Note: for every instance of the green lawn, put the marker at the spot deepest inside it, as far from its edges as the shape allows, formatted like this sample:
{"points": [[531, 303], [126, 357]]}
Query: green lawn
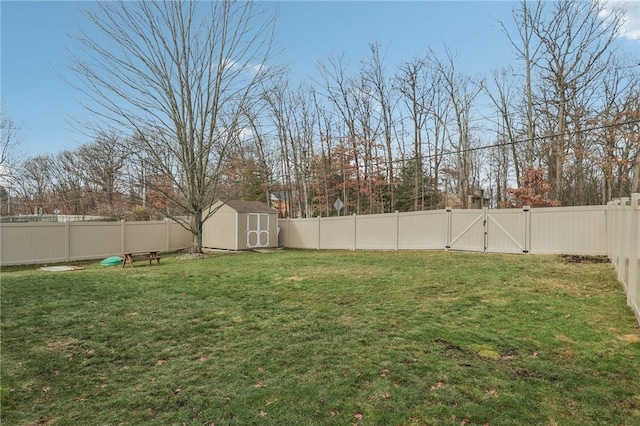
{"points": [[321, 337]]}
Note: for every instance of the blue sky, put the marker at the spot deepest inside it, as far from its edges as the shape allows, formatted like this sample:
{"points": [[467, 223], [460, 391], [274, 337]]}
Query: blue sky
{"points": [[35, 39]]}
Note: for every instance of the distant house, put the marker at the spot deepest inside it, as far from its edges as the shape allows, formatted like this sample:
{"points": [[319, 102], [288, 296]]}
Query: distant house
{"points": [[240, 225], [476, 200], [281, 201]]}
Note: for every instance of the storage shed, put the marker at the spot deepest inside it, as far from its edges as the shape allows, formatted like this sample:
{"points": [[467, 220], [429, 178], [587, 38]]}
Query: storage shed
{"points": [[240, 225]]}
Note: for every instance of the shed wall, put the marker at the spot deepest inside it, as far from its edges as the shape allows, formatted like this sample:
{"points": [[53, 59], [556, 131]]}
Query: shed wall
{"points": [[220, 231]]}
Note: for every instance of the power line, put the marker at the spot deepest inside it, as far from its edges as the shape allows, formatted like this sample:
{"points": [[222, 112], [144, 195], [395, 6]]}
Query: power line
{"points": [[556, 135], [495, 145]]}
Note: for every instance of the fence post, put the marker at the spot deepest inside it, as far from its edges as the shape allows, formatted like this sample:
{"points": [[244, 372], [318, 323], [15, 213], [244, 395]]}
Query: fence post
{"points": [[123, 233], [355, 233], [448, 246], [624, 248], [485, 224], [634, 253], [397, 229], [67, 241], [319, 233], [527, 229], [615, 230], [168, 239], [608, 225], [285, 238]]}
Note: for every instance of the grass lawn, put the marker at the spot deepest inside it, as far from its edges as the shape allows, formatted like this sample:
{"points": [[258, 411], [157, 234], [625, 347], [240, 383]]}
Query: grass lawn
{"points": [[320, 337]]}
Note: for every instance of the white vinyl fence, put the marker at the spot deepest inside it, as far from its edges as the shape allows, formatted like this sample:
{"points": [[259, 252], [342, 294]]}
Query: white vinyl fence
{"points": [[48, 242], [623, 248], [562, 230]]}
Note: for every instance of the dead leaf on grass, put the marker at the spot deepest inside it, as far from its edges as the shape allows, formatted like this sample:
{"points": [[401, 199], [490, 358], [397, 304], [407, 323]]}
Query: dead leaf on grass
{"points": [[509, 354], [564, 338], [491, 393], [563, 353], [261, 384], [295, 278], [161, 361], [437, 386], [262, 413]]}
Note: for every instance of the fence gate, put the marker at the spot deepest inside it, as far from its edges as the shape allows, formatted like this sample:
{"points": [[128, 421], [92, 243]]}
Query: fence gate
{"points": [[467, 230], [497, 231], [508, 231], [257, 230]]}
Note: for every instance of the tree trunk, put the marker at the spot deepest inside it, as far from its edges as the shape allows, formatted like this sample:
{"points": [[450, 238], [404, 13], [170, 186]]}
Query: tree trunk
{"points": [[196, 231]]}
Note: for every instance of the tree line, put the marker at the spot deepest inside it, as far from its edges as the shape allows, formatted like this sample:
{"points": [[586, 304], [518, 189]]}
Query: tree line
{"points": [[196, 110]]}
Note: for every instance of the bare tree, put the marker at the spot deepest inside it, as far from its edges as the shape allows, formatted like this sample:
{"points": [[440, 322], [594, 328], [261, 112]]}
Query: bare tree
{"points": [[374, 74], [462, 91], [70, 192], [618, 140], [575, 47], [342, 95], [502, 99], [264, 153], [528, 50], [280, 101], [9, 142], [367, 131], [184, 73], [33, 184], [100, 164], [327, 190], [300, 116], [411, 83], [421, 90]]}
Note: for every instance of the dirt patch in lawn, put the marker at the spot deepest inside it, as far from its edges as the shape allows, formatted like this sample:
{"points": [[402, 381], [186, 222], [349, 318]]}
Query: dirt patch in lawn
{"points": [[61, 344], [574, 258]]}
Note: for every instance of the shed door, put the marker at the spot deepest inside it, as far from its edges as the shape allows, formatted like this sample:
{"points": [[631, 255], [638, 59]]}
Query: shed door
{"points": [[257, 230]]}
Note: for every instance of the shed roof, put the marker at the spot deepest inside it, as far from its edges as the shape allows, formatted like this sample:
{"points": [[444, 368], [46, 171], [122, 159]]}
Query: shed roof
{"points": [[250, 206]]}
